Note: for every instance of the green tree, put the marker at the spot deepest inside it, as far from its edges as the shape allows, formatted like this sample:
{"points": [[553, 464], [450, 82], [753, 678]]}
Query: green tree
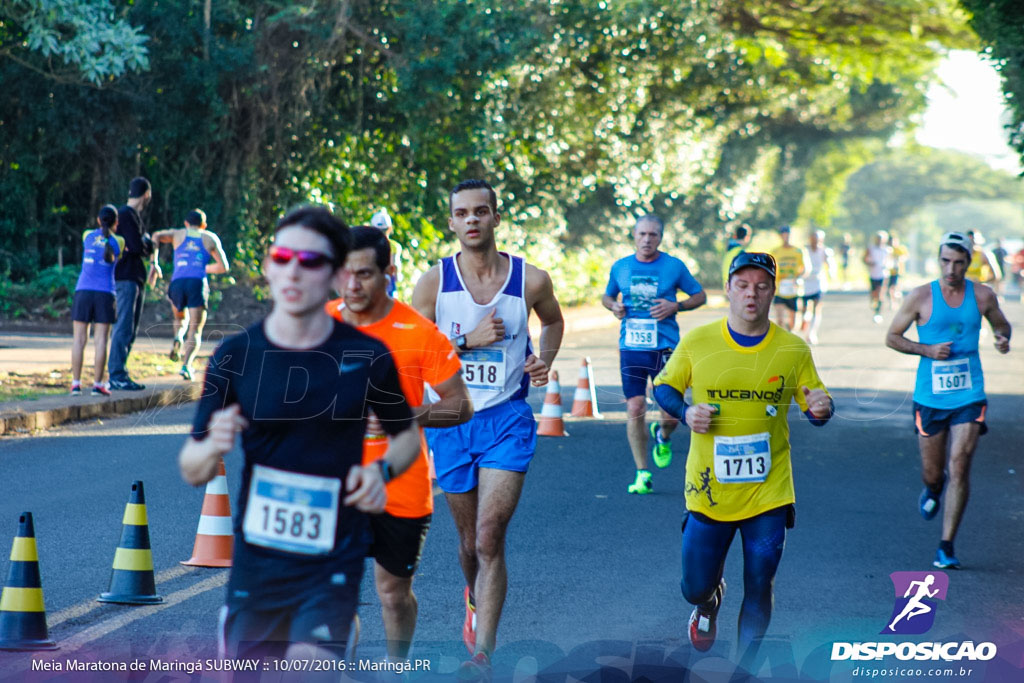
{"points": [[1000, 25], [69, 40]]}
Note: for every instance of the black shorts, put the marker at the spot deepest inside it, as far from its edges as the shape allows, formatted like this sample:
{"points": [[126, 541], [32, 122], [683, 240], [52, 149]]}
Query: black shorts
{"points": [[876, 284], [322, 619], [398, 542], [811, 297], [91, 306], [893, 279], [932, 421], [637, 365], [788, 303], [189, 292]]}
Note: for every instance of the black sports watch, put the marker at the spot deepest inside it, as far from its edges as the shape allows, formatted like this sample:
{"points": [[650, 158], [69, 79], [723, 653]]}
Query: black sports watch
{"points": [[387, 472], [462, 343]]}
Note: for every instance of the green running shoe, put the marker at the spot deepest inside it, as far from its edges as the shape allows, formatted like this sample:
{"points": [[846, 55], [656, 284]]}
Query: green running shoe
{"points": [[642, 483], [662, 448]]}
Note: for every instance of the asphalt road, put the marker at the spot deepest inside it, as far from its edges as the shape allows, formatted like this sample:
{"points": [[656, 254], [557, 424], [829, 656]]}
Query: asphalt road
{"points": [[594, 572]]}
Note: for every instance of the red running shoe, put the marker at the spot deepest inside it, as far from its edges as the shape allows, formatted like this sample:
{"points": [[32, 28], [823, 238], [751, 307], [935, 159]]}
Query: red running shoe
{"points": [[477, 668], [469, 626], [702, 622]]}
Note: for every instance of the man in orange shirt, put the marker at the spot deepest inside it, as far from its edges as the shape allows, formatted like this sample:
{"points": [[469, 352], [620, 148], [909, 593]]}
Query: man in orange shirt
{"points": [[421, 354]]}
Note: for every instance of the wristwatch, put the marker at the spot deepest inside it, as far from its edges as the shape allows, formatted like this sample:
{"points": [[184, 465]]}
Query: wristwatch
{"points": [[462, 343], [387, 473]]}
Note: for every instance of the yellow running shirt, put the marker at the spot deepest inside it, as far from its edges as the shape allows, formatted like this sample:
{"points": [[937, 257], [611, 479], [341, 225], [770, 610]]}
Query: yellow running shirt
{"points": [[791, 265], [741, 467]]}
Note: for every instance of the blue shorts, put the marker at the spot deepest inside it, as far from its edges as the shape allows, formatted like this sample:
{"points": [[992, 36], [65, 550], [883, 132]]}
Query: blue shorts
{"points": [[323, 619], [91, 306], [503, 437], [635, 367], [189, 292], [933, 421]]}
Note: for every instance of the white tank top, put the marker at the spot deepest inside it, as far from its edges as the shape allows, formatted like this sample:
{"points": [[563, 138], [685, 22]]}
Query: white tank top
{"points": [[815, 280], [494, 374]]}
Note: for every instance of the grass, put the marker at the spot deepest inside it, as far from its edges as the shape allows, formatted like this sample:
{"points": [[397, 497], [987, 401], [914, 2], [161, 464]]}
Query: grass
{"points": [[31, 386]]}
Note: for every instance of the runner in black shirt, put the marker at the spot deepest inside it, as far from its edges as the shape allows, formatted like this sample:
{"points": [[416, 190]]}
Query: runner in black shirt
{"points": [[298, 386]]}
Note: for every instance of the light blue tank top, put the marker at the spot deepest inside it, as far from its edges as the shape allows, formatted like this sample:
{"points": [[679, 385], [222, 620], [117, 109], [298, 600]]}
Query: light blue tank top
{"points": [[958, 380], [191, 257]]}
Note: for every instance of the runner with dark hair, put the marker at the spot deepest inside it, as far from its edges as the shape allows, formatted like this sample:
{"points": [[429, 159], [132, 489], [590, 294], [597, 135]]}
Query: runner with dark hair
{"points": [[299, 387]]}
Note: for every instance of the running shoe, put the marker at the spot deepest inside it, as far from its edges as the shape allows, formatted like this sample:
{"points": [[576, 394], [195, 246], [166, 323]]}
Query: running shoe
{"points": [[642, 484], [929, 502], [944, 560], [469, 626], [662, 447], [175, 354], [100, 390], [702, 622], [186, 373], [878, 318], [126, 385], [76, 390], [476, 668]]}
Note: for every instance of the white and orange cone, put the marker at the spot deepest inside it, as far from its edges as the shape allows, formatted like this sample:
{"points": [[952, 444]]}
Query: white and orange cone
{"points": [[550, 423], [584, 403], [215, 538]]}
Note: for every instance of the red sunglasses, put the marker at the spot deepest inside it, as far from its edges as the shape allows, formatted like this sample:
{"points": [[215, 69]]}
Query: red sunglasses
{"points": [[311, 260]]}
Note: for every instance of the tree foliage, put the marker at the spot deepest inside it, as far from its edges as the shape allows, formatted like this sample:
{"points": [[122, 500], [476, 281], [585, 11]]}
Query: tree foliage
{"points": [[70, 39], [882, 194], [1000, 25], [585, 114]]}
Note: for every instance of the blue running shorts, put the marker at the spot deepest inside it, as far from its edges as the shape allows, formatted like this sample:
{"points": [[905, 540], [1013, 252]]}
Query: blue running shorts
{"points": [[502, 437]]}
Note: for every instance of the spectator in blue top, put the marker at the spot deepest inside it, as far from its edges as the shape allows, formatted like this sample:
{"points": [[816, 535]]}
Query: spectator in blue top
{"points": [[648, 282], [94, 298]]}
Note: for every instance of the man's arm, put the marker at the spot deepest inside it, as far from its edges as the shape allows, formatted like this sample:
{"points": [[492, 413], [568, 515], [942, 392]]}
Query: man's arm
{"points": [[163, 236], [614, 305], [424, 295], [908, 314], [220, 264], [198, 459], [541, 292], [988, 305], [453, 407]]}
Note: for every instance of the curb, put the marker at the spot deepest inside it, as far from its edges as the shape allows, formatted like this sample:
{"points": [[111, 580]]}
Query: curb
{"points": [[34, 415]]}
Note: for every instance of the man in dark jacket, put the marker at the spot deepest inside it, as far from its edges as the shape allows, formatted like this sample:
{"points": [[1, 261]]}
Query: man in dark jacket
{"points": [[129, 283]]}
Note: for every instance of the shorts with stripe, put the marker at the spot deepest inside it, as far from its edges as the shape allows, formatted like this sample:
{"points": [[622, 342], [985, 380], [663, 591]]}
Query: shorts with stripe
{"points": [[933, 421]]}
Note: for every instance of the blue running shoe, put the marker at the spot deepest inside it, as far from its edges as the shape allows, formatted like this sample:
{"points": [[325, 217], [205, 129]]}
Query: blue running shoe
{"points": [[929, 502], [944, 560]]}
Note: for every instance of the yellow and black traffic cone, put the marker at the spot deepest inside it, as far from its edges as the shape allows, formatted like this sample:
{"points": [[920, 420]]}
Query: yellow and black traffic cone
{"points": [[132, 581], [22, 614]]}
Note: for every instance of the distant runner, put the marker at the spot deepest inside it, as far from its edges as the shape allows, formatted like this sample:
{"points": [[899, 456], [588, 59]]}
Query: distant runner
{"points": [[194, 249], [648, 282]]}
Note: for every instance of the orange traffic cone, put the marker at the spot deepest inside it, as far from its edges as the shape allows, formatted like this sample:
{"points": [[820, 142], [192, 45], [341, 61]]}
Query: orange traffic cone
{"points": [[215, 537], [132, 581], [550, 423], [22, 614]]}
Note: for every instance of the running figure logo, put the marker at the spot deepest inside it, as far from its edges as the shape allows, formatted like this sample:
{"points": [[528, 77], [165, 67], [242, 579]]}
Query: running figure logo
{"points": [[705, 486], [914, 612]]}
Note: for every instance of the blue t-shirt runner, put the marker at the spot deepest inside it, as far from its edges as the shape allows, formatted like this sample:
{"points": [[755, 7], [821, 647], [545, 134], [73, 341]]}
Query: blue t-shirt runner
{"points": [[648, 282], [640, 284]]}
